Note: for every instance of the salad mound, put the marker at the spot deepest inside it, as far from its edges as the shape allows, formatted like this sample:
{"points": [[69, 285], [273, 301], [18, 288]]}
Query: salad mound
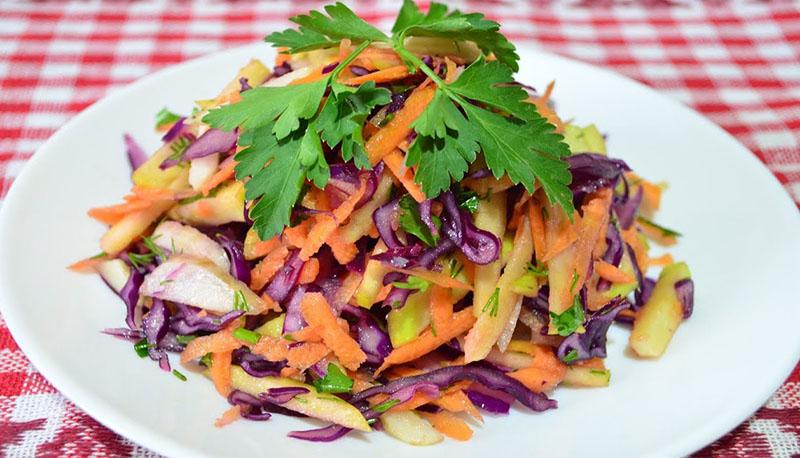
{"points": [[387, 229]]}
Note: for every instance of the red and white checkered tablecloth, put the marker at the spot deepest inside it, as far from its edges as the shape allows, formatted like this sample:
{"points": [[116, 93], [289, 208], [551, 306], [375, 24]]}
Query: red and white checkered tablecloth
{"points": [[738, 63]]}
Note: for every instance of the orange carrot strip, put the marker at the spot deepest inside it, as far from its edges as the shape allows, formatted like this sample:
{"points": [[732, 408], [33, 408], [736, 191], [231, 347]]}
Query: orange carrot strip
{"points": [[449, 425], [544, 374], [87, 265], [309, 271], [220, 371], [139, 192], [381, 76], [560, 232], [343, 252], [458, 401], [349, 287], [296, 236], [306, 355], [317, 312], [219, 342], [307, 334], [663, 260], [395, 161], [631, 237], [612, 273], [326, 223], [427, 341], [651, 196], [387, 139], [282, 55], [451, 70], [229, 416], [263, 248], [263, 272], [272, 348], [655, 234], [225, 173], [113, 213], [537, 227], [441, 307], [438, 278]]}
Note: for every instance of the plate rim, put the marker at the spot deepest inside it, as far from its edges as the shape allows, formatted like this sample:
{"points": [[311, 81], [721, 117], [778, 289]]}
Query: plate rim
{"points": [[166, 445]]}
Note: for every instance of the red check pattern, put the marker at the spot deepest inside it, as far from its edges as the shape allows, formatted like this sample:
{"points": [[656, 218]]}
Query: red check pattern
{"points": [[735, 62]]}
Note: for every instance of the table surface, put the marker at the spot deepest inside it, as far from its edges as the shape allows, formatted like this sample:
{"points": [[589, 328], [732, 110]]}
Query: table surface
{"points": [[735, 62]]}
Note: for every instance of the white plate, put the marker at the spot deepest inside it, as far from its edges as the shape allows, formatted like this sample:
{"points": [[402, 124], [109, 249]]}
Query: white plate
{"points": [[742, 242]]}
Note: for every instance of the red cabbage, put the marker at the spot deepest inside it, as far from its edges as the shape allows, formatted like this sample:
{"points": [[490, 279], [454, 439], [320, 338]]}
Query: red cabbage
{"points": [[251, 406], [385, 219], [211, 142], [136, 155], [359, 70], [427, 218], [244, 85], [187, 320], [487, 402], [592, 343], [130, 295], [397, 102], [372, 339], [326, 434], [239, 266], [400, 257], [446, 376], [255, 365], [130, 335], [329, 68], [480, 173], [592, 171], [286, 278], [282, 395], [685, 291], [175, 130], [625, 208], [155, 326], [479, 246], [282, 69], [293, 321], [613, 254]]}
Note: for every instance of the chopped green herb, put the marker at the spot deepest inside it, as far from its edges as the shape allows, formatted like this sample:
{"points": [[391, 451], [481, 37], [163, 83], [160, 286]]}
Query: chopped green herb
{"points": [[165, 117], [335, 381], [178, 147], [455, 268], [574, 281], [665, 231], [206, 360], [385, 405], [571, 356], [570, 320], [246, 335], [493, 304], [413, 283], [411, 221], [597, 372], [183, 340], [142, 348], [150, 243], [467, 200], [240, 302], [539, 269], [178, 375]]}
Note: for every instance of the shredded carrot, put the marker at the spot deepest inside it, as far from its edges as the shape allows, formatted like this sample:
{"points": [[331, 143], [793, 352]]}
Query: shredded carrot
{"points": [[349, 287], [458, 401], [344, 49], [325, 223], [307, 334], [452, 68], [398, 129], [263, 248], [593, 363], [282, 55], [418, 399], [113, 213], [269, 303], [651, 197], [296, 236], [438, 278], [306, 355], [204, 209], [309, 271], [655, 234], [544, 374], [290, 372], [441, 307], [537, 227], [87, 265], [219, 342], [224, 173], [381, 76], [449, 425], [631, 237], [317, 313], [343, 251], [519, 210], [229, 416], [272, 348], [560, 232], [612, 273], [427, 341], [263, 272], [663, 260], [395, 161], [220, 371], [593, 222], [151, 194]]}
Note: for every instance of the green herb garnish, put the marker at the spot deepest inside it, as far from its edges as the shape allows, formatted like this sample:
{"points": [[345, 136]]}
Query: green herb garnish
{"points": [[240, 302], [413, 283], [142, 348], [246, 335], [665, 231], [335, 381], [493, 304], [411, 221], [166, 117], [385, 405], [571, 356], [480, 112], [178, 375], [574, 282], [206, 360], [570, 320], [538, 270], [455, 267]]}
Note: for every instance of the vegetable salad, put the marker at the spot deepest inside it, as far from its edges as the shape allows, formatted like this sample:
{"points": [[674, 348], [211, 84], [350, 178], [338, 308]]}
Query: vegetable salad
{"points": [[386, 230]]}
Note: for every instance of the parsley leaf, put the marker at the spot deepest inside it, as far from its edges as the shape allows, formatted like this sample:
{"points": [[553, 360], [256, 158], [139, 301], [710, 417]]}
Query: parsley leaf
{"points": [[457, 26], [411, 221], [165, 117], [319, 31], [335, 381], [263, 105], [343, 116], [569, 320]]}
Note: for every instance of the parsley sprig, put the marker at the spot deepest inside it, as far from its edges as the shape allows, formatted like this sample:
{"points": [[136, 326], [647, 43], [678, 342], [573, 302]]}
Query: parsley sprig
{"points": [[480, 112]]}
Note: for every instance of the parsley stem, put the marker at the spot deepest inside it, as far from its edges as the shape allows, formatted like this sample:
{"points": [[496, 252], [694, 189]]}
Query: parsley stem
{"points": [[343, 64], [416, 61]]}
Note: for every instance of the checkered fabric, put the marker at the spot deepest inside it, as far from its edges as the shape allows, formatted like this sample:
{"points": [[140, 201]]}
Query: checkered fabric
{"points": [[735, 62]]}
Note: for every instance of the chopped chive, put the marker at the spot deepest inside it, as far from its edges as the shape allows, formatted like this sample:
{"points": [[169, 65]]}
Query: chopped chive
{"points": [[178, 375], [574, 281], [142, 348], [239, 301], [206, 360], [246, 335], [571, 356], [386, 405]]}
